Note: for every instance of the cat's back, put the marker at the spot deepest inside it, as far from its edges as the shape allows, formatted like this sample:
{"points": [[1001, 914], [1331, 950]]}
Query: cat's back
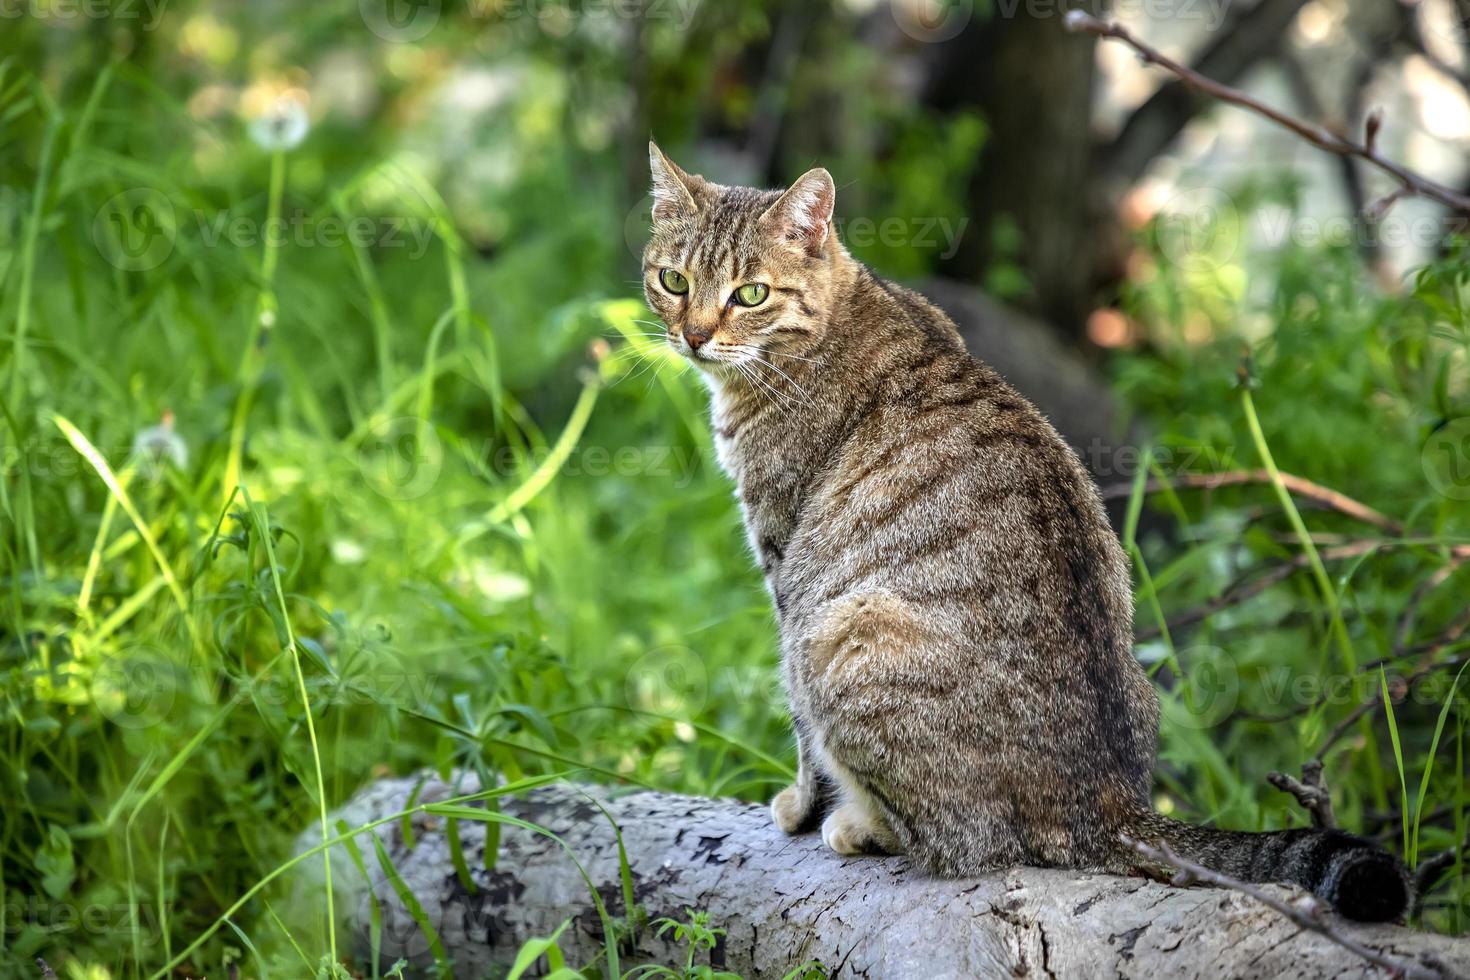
{"points": [[952, 488]]}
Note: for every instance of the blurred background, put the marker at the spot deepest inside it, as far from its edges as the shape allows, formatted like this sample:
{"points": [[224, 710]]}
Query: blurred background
{"points": [[338, 442]]}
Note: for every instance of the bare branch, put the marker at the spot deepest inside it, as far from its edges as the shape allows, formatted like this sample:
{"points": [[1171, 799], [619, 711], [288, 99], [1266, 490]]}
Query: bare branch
{"points": [[1249, 33], [1079, 22], [1243, 590], [1429, 872], [1310, 791], [1398, 687], [1306, 912], [1299, 487], [785, 900], [1421, 592]]}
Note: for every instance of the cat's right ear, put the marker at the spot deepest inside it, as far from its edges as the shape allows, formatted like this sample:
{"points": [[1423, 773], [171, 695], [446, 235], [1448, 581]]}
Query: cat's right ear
{"points": [[675, 193]]}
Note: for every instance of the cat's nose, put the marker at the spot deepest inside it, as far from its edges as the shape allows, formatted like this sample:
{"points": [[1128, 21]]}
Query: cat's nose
{"points": [[696, 338]]}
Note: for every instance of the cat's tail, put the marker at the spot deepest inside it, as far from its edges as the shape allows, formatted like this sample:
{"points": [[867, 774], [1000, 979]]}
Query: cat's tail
{"points": [[1360, 879]]}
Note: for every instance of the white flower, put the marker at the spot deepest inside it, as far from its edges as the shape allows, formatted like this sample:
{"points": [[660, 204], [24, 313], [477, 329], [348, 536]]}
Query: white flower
{"points": [[158, 445], [282, 127]]}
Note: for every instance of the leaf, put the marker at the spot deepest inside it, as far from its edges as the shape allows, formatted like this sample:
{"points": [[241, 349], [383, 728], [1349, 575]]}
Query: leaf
{"points": [[536, 947], [1398, 754], [1444, 712], [55, 862], [535, 720], [415, 908], [319, 655]]}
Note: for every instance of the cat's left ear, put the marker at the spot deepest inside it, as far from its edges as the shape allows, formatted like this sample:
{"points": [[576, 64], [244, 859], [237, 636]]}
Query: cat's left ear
{"points": [[803, 215], [676, 194]]}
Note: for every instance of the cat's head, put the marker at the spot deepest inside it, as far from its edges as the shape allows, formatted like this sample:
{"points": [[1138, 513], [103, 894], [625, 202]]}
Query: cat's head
{"points": [[736, 272]]}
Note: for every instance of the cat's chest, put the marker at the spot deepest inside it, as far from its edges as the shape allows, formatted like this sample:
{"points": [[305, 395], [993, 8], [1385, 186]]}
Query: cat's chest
{"points": [[752, 451]]}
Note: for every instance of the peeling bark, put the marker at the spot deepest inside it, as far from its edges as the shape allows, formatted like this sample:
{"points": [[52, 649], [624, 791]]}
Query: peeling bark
{"points": [[785, 901]]}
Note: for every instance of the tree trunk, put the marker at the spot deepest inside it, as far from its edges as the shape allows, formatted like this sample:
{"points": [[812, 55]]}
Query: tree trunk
{"points": [[1032, 83], [784, 901]]}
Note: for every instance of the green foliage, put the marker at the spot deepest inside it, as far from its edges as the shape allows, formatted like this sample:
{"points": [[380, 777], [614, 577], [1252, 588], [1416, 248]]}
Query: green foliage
{"points": [[1363, 393], [280, 514]]}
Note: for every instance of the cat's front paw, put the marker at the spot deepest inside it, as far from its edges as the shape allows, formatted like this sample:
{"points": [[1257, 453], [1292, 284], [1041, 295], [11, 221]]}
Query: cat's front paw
{"points": [[846, 831], [790, 810]]}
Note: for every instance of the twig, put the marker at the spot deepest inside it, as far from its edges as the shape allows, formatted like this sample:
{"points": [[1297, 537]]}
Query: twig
{"points": [[1398, 689], [1306, 912], [1387, 823], [1242, 591], [1249, 34], [1421, 592], [1429, 872], [1299, 487], [1079, 22], [1310, 791]]}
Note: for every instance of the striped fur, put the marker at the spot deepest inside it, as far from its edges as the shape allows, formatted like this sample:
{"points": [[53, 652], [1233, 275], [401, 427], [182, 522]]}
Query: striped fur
{"points": [[955, 611]]}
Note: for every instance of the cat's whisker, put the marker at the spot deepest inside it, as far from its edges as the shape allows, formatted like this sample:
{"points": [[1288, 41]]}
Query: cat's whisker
{"points": [[785, 400], [756, 385], [797, 357], [645, 366], [652, 376], [764, 363], [753, 355]]}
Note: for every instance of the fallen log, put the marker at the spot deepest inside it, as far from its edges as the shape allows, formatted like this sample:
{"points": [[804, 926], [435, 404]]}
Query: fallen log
{"points": [[786, 901]]}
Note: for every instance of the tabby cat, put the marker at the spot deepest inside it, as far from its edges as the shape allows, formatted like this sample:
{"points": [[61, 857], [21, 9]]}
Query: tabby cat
{"points": [[955, 611]]}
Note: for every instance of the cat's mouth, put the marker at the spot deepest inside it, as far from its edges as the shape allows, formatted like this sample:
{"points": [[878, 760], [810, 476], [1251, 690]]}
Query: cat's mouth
{"points": [[706, 352]]}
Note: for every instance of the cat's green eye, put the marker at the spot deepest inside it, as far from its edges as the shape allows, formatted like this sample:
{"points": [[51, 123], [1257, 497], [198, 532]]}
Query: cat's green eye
{"points": [[674, 281], [752, 294]]}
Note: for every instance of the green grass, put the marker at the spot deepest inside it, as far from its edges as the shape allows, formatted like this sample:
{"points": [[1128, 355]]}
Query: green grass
{"points": [[458, 510]]}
